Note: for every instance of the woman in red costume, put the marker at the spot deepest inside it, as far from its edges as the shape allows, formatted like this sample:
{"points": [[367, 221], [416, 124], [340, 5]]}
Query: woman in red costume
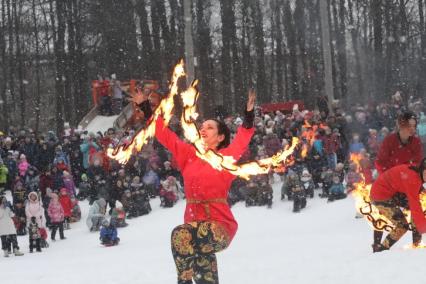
{"points": [[400, 147], [209, 225], [400, 182]]}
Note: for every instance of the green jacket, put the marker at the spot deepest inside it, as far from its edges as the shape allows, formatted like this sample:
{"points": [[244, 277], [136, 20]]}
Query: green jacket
{"points": [[3, 174]]}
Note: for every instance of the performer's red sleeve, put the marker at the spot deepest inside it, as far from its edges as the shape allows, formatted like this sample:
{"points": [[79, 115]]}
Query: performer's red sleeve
{"points": [[240, 143], [179, 149], [415, 207], [382, 161]]}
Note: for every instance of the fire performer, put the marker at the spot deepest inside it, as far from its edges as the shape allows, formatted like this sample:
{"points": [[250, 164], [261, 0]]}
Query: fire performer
{"points": [[402, 181], [398, 148], [209, 225]]}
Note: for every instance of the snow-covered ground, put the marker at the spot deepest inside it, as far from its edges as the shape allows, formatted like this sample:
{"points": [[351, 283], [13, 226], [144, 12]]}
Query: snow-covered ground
{"points": [[323, 244], [101, 123]]}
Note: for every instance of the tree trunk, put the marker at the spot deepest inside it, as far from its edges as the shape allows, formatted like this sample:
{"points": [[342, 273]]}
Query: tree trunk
{"points": [[5, 120], [279, 56], [36, 95], [227, 94], [354, 38], [204, 46], [259, 42], [19, 59], [291, 42], [59, 50], [377, 15]]}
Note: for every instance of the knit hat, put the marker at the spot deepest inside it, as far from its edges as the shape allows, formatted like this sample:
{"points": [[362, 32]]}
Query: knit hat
{"points": [[101, 202]]}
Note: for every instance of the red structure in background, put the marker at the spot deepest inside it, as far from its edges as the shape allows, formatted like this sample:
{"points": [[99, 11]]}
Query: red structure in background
{"points": [[282, 106]]}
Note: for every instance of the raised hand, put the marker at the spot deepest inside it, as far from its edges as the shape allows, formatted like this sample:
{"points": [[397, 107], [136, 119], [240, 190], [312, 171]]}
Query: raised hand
{"points": [[251, 100]]}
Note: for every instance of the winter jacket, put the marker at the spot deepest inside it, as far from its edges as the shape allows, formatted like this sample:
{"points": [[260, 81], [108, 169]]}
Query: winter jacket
{"points": [[23, 167], [55, 210], [206, 186], [337, 188], [3, 174], [109, 232], [35, 209], [88, 148], [401, 179], [69, 185], [96, 210], [392, 152], [7, 226], [66, 204]]}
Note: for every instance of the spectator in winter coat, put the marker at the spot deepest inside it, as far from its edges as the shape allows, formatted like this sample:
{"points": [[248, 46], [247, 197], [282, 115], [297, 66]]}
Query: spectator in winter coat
{"points": [[96, 215], [66, 204], [87, 148], [61, 157], [56, 214], [3, 176], [356, 145], [69, 183], [23, 165], [34, 208], [7, 229], [337, 190]]}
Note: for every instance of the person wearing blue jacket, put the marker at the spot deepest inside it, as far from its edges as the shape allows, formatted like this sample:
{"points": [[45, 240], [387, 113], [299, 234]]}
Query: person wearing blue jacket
{"points": [[108, 235]]}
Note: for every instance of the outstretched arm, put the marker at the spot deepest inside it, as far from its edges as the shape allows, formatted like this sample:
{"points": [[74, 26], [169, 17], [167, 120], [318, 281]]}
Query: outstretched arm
{"points": [[244, 133], [180, 150]]}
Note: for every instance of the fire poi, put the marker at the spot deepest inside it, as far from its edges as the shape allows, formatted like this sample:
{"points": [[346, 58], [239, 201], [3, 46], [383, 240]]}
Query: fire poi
{"points": [[189, 97], [364, 205]]}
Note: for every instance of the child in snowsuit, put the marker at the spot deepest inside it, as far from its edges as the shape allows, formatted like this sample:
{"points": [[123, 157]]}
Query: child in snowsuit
{"points": [[307, 183], [66, 204], [56, 214], [118, 215], [169, 192], [108, 234], [34, 235], [20, 219], [337, 191], [299, 197], [76, 211]]}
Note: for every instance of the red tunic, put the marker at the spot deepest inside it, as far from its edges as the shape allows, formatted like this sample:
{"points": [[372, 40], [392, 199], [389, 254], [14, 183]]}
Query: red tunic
{"points": [[404, 180], [202, 182], [392, 152]]}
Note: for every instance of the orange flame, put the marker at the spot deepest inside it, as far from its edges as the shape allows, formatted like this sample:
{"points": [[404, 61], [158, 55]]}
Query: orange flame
{"points": [[216, 160], [123, 153], [369, 211]]}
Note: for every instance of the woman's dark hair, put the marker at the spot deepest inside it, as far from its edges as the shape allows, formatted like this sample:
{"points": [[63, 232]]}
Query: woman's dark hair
{"points": [[222, 128], [404, 117]]}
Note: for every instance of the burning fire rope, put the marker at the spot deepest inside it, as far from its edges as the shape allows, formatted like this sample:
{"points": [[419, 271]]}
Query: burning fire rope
{"points": [[189, 97], [364, 206]]}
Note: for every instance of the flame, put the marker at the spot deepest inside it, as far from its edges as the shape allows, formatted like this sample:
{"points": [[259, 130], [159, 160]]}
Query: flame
{"points": [[379, 222], [189, 98], [216, 160], [123, 153]]}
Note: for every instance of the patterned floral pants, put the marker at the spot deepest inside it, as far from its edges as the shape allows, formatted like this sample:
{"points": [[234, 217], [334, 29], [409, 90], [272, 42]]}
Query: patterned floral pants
{"points": [[194, 246], [394, 213]]}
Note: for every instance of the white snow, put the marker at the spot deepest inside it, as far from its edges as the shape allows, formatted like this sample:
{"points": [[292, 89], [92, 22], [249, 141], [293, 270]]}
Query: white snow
{"points": [[322, 244], [101, 123]]}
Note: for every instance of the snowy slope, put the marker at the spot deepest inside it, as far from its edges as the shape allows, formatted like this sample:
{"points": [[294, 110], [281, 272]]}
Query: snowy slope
{"points": [[323, 244], [101, 123]]}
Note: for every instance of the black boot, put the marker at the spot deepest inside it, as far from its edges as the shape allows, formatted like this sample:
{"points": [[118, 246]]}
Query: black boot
{"points": [[378, 247]]}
